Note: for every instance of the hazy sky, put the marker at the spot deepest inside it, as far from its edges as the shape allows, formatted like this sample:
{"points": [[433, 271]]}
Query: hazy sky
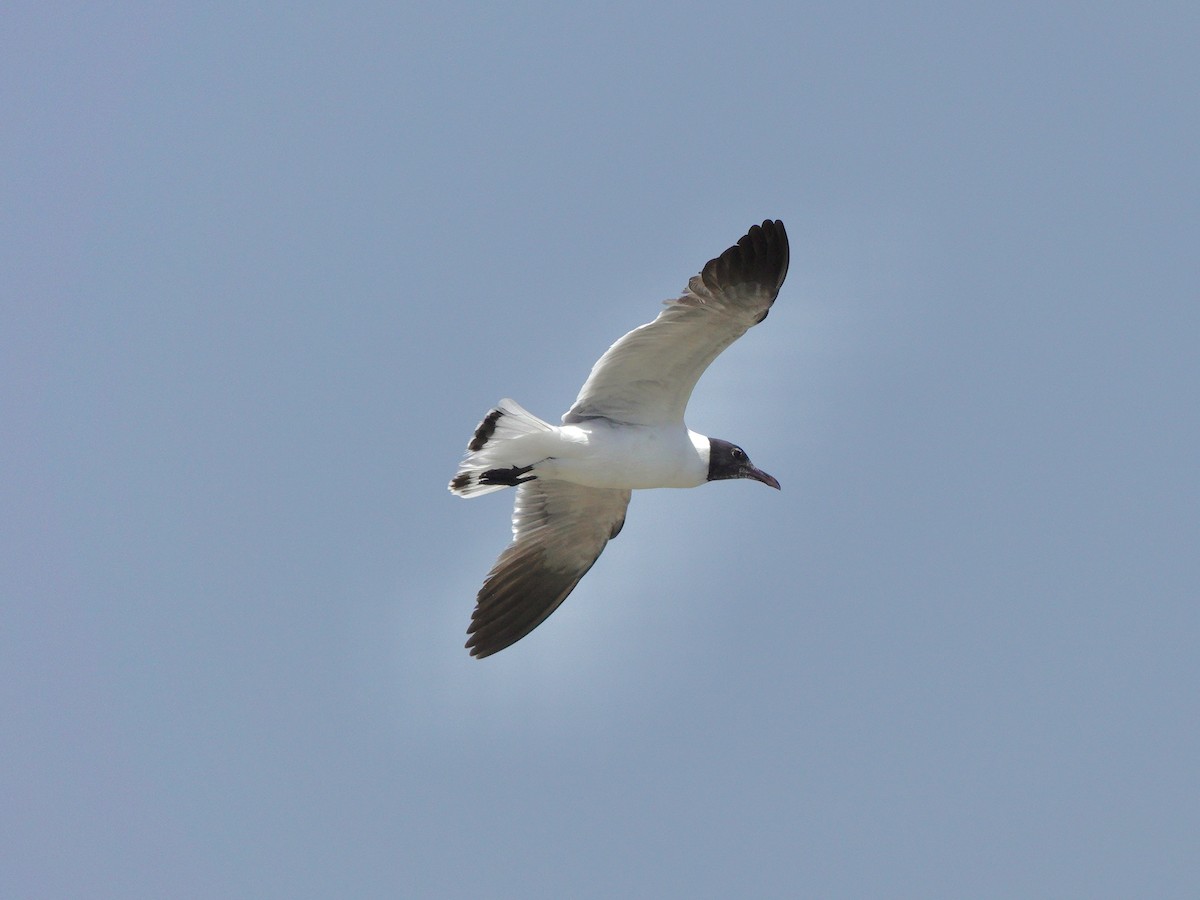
{"points": [[264, 269]]}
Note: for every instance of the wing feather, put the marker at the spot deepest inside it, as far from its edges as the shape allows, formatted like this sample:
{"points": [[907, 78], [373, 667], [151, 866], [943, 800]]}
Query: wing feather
{"points": [[647, 377], [559, 531]]}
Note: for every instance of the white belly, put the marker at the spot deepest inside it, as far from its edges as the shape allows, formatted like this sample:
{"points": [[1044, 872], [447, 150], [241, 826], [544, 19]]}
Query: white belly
{"points": [[627, 456]]}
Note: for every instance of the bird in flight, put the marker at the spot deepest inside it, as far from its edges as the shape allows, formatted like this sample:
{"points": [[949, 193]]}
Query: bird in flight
{"points": [[624, 432]]}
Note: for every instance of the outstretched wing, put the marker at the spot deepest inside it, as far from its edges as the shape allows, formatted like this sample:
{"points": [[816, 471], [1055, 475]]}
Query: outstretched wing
{"points": [[559, 530], [647, 376]]}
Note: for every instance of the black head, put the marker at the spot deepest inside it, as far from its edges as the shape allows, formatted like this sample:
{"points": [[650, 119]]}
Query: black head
{"points": [[726, 460]]}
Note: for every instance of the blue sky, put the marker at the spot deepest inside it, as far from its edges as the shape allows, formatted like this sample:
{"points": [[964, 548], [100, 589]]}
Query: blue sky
{"points": [[264, 270]]}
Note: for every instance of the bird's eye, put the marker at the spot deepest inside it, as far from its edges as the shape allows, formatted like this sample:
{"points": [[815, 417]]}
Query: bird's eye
{"points": [[738, 453]]}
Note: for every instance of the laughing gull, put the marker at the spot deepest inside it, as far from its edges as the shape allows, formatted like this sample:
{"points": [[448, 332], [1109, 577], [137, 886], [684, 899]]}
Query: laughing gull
{"points": [[624, 432]]}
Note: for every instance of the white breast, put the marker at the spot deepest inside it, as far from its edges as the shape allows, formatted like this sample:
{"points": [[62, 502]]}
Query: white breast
{"points": [[600, 454]]}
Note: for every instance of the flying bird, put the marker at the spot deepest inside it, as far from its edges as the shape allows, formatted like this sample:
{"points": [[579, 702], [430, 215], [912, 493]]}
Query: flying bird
{"points": [[625, 432]]}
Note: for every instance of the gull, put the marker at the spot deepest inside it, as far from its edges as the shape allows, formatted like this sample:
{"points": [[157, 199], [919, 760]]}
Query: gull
{"points": [[625, 432]]}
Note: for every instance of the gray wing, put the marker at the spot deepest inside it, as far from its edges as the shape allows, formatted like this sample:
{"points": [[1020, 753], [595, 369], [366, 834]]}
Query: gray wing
{"points": [[647, 376], [559, 530]]}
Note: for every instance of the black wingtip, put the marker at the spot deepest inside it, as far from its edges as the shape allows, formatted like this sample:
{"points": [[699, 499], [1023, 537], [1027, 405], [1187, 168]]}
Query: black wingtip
{"points": [[479, 652], [760, 257]]}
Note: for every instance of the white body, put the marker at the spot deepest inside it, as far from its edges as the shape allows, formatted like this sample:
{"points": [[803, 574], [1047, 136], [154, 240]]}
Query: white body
{"points": [[601, 454], [593, 453]]}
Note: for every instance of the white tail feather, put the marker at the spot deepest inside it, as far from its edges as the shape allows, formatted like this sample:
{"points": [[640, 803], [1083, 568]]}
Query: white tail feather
{"points": [[492, 447]]}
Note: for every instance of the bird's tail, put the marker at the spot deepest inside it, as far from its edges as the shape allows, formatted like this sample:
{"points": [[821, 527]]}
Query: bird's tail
{"points": [[491, 463]]}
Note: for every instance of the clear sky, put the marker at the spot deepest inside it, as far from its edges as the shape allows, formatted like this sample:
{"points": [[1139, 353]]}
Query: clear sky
{"points": [[265, 267]]}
